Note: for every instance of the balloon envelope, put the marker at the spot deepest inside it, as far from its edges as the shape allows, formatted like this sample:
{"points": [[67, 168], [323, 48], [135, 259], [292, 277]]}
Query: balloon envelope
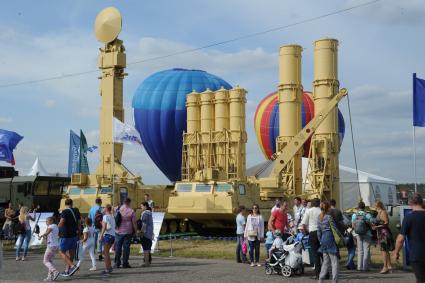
{"points": [[266, 122], [160, 113]]}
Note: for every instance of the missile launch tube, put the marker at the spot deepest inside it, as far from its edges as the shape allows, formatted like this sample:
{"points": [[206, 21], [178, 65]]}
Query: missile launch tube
{"points": [[290, 90], [207, 111], [193, 113], [326, 85], [237, 100], [221, 109]]}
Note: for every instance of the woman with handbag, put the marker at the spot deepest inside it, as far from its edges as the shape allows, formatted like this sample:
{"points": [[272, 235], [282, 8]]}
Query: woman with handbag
{"points": [[385, 236], [328, 244], [24, 237], [254, 233]]}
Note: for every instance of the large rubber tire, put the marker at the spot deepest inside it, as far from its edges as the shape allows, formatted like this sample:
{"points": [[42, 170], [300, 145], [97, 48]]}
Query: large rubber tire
{"points": [[192, 227], [286, 271], [173, 226], [184, 226]]}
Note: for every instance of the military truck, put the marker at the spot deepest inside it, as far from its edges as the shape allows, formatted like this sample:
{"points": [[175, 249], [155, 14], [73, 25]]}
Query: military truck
{"points": [[43, 191]]}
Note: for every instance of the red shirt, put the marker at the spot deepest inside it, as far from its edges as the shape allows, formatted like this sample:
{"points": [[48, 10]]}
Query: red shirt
{"points": [[280, 220]]}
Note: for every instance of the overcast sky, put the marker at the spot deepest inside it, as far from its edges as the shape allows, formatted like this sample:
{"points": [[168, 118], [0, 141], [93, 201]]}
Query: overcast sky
{"points": [[381, 45]]}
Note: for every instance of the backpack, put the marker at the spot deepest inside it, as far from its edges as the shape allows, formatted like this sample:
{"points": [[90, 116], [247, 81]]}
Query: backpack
{"points": [[98, 216], [118, 218], [360, 225]]}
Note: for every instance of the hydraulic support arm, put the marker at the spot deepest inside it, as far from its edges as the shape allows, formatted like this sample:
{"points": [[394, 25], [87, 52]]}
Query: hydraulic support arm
{"points": [[268, 185]]}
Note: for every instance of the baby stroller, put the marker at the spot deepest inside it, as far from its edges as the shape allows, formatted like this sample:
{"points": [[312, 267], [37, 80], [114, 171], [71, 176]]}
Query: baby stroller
{"points": [[287, 261]]}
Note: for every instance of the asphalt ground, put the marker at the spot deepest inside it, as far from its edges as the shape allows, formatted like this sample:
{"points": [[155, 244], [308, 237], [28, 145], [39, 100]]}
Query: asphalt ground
{"points": [[165, 269]]}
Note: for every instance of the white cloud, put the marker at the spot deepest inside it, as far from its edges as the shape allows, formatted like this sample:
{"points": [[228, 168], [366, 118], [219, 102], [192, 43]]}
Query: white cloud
{"points": [[5, 120], [393, 12], [50, 103]]}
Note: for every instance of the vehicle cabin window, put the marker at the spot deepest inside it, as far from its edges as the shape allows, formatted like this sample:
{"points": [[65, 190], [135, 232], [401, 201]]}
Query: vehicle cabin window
{"points": [[242, 190], [184, 188], [223, 188], [203, 188], [41, 188], [106, 190], [90, 191], [21, 188], [55, 188], [74, 191]]}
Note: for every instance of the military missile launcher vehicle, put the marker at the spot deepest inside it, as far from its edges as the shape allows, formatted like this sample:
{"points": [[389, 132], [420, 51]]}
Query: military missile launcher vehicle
{"points": [[214, 183]]}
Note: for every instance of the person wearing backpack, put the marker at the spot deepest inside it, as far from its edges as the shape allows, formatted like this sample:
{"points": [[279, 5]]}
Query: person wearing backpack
{"points": [[96, 216], [124, 231], [69, 229], [361, 222]]}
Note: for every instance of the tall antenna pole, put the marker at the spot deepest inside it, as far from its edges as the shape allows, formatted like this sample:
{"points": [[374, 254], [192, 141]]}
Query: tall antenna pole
{"points": [[112, 62]]}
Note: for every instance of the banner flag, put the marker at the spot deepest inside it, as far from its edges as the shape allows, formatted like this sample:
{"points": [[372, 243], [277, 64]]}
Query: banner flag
{"points": [[84, 165], [124, 133], [418, 102], [8, 142], [74, 153]]}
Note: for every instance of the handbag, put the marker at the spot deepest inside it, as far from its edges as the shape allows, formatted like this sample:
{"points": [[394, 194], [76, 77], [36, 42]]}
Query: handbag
{"points": [[244, 247], [252, 233], [339, 240]]}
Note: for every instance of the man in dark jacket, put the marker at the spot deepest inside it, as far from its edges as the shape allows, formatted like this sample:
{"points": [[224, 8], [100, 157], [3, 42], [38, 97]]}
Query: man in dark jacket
{"points": [[413, 227]]}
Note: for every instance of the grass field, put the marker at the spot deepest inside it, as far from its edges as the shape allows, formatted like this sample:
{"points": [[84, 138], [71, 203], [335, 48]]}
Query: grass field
{"points": [[215, 249], [226, 250]]}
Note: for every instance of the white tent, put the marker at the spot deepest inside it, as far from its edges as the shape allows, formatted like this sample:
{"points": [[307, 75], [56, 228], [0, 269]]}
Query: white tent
{"points": [[371, 187], [37, 169]]}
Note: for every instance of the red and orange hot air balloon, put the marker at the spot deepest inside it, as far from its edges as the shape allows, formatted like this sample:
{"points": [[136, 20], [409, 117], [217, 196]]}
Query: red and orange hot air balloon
{"points": [[266, 122]]}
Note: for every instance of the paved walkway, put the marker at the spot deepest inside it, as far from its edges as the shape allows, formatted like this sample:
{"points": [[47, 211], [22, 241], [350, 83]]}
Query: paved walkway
{"points": [[172, 270]]}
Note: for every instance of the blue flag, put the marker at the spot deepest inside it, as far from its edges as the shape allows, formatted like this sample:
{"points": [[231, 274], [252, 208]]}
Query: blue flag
{"points": [[418, 102], [84, 165], [8, 142], [74, 153]]}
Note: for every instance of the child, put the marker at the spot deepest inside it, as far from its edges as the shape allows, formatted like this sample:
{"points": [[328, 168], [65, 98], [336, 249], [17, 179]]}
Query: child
{"points": [[351, 247], [88, 243], [269, 241], [277, 243], [52, 248]]}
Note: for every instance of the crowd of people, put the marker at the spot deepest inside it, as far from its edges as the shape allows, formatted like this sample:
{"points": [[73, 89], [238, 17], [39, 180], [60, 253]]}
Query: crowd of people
{"points": [[109, 228], [323, 223], [105, 229]]}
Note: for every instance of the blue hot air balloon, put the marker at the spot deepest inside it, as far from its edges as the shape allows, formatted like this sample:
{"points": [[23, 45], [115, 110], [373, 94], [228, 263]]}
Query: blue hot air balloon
{"points": [[160, 113]]}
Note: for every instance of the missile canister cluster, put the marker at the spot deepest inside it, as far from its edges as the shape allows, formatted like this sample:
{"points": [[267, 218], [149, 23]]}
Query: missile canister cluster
{"points": [[323, 174], [214, 144]]}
